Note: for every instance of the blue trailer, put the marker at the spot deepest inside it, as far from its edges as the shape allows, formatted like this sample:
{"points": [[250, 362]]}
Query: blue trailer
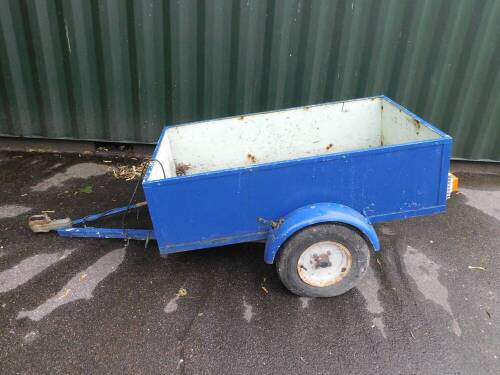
{"points": [[310, 182]]}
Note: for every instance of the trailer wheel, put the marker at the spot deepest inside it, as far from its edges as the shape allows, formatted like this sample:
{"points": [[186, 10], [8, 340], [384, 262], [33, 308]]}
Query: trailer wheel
{"points": [[323, 260]]}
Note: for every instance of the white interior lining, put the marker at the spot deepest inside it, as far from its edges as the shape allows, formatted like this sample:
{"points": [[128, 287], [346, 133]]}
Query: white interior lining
{"points": [[282, 135]]}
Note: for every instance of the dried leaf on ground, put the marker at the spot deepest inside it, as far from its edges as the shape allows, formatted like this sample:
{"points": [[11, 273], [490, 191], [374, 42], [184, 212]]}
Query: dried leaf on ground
{"points": [[182, 292], [129, 172], [65, 294]]}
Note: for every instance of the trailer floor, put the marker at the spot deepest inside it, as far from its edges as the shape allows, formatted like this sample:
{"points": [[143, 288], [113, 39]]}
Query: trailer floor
{"points": [[430, 303]]}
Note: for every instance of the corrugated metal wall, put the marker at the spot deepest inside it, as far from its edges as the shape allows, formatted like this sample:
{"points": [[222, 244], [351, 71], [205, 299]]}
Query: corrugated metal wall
{"points": [[118, 70]]}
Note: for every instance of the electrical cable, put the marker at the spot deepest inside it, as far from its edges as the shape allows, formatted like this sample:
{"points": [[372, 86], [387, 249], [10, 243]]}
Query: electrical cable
{"points": [[146, 167]]}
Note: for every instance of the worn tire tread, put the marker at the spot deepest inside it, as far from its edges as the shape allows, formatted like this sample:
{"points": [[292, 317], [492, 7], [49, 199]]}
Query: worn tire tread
{"points": [[286, 263]]}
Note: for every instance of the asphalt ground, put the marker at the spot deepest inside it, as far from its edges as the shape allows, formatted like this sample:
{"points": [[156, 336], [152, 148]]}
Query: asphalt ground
{"points": [[429, 304]]}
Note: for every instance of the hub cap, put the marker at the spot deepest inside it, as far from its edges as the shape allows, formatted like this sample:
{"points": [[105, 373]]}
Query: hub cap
{"points": [[324, 263]]}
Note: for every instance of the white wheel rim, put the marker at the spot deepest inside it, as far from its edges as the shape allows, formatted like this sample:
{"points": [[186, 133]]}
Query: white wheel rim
{"points": [[324, 263]]}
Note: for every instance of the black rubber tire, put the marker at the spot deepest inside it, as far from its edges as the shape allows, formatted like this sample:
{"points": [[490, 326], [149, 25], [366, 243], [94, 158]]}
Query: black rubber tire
{"points": [[289, 254]]}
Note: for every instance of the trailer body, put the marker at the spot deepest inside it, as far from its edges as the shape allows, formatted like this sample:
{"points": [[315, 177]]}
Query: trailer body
{"points": [[238, 179]]}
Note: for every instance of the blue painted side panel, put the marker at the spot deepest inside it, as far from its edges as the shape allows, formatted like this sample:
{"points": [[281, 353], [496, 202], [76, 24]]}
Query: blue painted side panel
{"points": [[315, 214], [222, 207]]}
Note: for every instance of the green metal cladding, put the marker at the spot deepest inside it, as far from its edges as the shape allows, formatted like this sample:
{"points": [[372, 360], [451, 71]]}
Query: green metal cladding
{"points": [[119, 70]]}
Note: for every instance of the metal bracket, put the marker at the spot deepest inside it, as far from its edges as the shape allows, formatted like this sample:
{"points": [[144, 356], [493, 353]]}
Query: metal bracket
{"points": [[272, 223]]}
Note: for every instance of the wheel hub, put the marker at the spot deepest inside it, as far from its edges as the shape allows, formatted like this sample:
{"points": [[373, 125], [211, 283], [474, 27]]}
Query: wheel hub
{"points": [[324, 263]]}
